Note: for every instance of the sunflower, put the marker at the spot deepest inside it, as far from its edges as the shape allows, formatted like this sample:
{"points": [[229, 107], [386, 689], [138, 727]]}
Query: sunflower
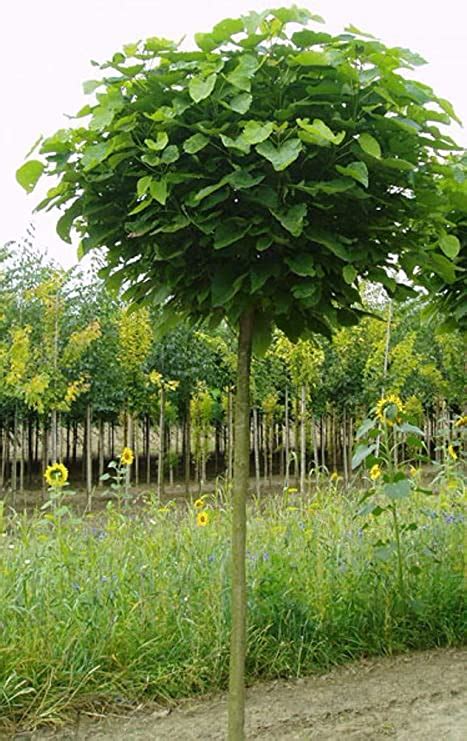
{"points": [[389, 408], [127, 457], [56, 474], [452, 453], [202, 519], [375, 472], [199, 504], [461, 421], [334, 476]]}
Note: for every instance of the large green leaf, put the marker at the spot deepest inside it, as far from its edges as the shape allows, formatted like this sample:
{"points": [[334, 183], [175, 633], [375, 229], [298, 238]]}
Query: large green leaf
{"points": [[292, 218], [195, 143], [241, 179], [255, 132], [282, 156], [158, 190], [230, 231], [398, 489], [95, 154], [161, 141], [29, 173], [241, 76], [362, 452], [319, 133], [240, 103], [311, 58], [356, 170], [201, 88], [450, 245], [370, 145], [334, 243], [302, 264]]}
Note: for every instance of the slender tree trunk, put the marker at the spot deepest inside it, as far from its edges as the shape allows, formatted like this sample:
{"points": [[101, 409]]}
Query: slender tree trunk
{"points": [[302, 439], [256, 451], [148, 450], [101, 447], [187, 448], [88, 451], [236, 704], [287, 438], [160, 464], [344, 447], [14, 459], [136, 449], [314, 437], [231, 436], [53, 436]]}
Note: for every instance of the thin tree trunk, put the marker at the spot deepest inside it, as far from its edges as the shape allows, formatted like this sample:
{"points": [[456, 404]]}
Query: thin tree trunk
{"points": [[14, 459], [136, 449], [101, 447], [160, 465], [148, 450], [287, 438], [236, 703], [230, 435], [187, 448], [256, 452], [88, 451], [302, 439], [53, 436], [344, 447]]}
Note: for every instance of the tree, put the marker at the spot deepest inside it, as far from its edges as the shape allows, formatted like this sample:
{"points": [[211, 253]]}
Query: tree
{"points": [[256, 179]]}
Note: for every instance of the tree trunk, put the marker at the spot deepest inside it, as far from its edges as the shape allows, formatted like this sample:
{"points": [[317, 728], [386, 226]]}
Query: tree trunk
{"points": [[344, 447], [160, 464], [256, 452], [148, 450], [302, 439], [287, 438], [187, 448], [101, 447], [88, 451], [236, 704]]}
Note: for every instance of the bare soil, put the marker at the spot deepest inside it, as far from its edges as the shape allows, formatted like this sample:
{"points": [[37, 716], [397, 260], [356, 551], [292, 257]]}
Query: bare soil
{"points": [[409, 697]]}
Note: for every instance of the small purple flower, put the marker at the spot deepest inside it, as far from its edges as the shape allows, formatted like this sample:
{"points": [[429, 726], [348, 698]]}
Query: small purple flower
{"points": [[266, 556]]}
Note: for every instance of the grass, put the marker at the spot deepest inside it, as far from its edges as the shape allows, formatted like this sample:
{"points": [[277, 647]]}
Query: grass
{"points": [[127, 608]]}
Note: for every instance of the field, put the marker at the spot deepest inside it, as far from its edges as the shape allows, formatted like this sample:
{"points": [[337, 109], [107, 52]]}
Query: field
{"points": [[124, 606]]}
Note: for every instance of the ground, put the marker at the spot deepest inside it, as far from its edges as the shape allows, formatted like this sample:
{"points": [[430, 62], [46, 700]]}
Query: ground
{"points": [[410, 697]]}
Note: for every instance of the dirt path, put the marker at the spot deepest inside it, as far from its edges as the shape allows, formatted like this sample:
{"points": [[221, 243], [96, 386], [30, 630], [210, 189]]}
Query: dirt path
{"points": [[418, 696]]}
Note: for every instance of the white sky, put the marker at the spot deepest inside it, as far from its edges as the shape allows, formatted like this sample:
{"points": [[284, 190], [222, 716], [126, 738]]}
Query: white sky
{"points": [[47, 46]]}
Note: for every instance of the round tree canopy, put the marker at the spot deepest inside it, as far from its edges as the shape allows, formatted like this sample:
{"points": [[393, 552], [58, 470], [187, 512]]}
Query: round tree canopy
{"points": [[273, 167]]}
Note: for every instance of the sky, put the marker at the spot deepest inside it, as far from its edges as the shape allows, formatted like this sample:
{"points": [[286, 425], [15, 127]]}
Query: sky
{"points": [[49, 45]]}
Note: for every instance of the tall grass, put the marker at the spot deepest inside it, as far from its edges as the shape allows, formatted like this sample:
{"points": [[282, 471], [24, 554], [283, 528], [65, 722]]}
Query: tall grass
{"points": [[137, 607]]}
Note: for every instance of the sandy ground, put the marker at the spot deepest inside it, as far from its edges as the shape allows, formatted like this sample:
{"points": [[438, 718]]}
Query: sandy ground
{"points": [[409, 697]]}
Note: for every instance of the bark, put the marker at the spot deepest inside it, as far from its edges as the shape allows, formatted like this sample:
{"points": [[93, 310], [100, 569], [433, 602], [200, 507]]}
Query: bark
{"points": [[256, 452], [88, 451], [160, 464], [187, 448], [302, 439], [287, 438], [148, 450], [345, 462], [236, 702], [101, 447]]}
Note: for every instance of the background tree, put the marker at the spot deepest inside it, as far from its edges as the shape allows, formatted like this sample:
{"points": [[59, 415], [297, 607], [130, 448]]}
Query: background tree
{"points": [[256, 179]]}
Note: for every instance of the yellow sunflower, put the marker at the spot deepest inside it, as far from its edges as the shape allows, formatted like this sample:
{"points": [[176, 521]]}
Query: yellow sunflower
{"points": [[452, 453], [375, 472], [461, 421], [127, 457], [199, 504], [334, 476], [202, 519], [389, 408], [56, 474]]}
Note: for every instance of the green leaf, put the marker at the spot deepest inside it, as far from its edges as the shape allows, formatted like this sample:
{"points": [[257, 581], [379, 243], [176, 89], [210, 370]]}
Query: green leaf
{"points": [[255, 132], [450, 245], [329, 240], [395, 163], [95, 154], [398, 489], [241, 103], [302, 264], [349, 274], [241, 179], [230, 231], [201, 88], [65, 222], [318, 133], [195, 143], [365, 427], [223, 288], [161, 141], [90, 85], [241, 76], [142, 186], [171, 154], [356, 170], [239, 143], [407, 427], [292, 218], [370, 145], [362, 452], [158, 190], [280, 157], [28, 174], [311, 59]]}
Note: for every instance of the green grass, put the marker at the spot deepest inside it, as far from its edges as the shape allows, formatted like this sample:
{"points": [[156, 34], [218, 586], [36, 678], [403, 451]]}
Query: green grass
{"points": [[137, 607]]}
